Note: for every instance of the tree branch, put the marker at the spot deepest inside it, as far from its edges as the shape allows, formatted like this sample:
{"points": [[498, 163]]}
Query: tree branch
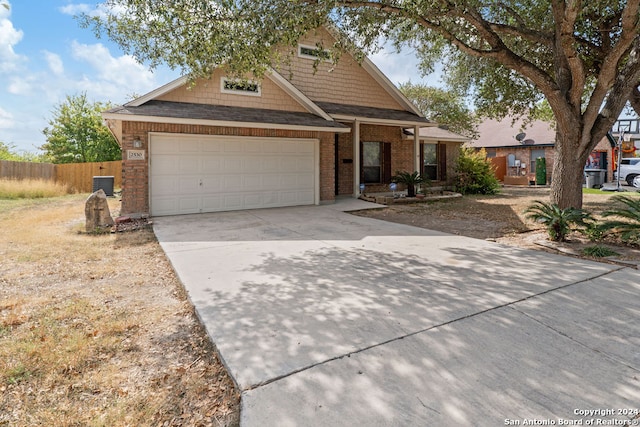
{"points": [[611, 62], [634, 100]]}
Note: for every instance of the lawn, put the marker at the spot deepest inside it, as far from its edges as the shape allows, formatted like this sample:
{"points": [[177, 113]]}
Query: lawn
{"points": [[96, 330]]}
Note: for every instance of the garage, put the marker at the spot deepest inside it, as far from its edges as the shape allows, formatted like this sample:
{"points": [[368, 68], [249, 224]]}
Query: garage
{"points": [[200, 173]]}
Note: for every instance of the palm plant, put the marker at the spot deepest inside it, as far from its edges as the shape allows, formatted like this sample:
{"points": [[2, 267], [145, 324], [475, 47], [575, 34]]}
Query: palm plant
{"points": [[628, 223], [557, 221], [410, 180]]}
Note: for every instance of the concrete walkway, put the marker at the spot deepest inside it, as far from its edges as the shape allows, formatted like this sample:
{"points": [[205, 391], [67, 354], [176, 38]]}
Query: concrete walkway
{"points": [[325, 318]]}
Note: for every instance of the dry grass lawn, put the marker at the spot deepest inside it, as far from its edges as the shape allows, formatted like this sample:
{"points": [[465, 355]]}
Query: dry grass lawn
{"points": [[501, 218], [96, 330]]}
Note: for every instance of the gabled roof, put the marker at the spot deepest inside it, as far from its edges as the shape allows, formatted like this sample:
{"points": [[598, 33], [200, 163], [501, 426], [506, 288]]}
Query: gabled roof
{"points": [[274, 76], [220, 115], [502, 133], [384, 81], [436, 133], [379, 115], [150, 105]]}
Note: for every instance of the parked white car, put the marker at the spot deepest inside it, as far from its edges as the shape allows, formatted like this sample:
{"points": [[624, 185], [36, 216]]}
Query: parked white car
{"points": [[629, 169]]}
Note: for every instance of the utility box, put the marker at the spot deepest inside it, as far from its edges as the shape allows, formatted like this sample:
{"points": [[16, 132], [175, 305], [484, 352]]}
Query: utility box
{"points": [[541, 171], [105, 183]]}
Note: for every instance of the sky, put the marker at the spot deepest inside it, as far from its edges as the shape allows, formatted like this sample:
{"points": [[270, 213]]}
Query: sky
{"points": [[45, 56]]}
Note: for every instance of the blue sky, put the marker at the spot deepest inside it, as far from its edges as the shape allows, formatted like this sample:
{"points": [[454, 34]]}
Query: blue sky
{"points": [[45, 56]]}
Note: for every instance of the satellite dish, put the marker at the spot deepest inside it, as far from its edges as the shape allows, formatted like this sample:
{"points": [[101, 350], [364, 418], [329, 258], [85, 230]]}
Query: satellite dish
{"points": [[528, 142], [521, 136]]}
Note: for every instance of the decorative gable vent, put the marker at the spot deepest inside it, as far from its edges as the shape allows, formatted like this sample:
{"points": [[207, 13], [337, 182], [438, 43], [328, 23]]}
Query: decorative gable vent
{"points": [[313, 52], [240, 87]]}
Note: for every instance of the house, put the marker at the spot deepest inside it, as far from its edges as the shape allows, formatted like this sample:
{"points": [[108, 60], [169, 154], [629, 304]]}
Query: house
{"points": [[629, 129], [514, 149], [296, 136]]}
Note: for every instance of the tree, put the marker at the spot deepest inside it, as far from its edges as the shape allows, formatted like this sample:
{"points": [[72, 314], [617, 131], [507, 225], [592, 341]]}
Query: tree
{"points": [[77, 134], [443, 107], [9, 152], [581, 56]]}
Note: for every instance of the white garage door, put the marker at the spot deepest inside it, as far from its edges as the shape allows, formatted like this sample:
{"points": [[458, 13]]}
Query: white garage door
{"points": [[194, 174]]}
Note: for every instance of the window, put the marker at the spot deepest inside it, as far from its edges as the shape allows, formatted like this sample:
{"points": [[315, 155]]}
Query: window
{"points": [[240, 87], [430, 161], [313, 52], [371, 162]]}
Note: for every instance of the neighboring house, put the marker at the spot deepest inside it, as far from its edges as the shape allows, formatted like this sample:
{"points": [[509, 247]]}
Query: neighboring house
{"points": [[630, 128], [514, 149], [295, 137]]}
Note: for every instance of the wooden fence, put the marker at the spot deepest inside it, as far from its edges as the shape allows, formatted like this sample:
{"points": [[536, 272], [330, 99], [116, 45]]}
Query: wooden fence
{"points": [[78, 176], [26, 170]]}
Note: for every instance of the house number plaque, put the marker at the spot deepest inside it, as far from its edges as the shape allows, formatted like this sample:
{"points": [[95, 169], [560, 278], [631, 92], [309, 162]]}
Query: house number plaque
{"points": [[135, 154]]}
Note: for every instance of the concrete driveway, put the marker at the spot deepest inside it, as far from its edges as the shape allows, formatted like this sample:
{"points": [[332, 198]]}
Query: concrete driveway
{"points": [[324, 319]]}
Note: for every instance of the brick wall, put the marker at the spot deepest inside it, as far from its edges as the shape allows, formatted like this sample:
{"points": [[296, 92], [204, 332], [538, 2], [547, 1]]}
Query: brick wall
{"points": [[401, 154], [524, 155], [135, 173]]}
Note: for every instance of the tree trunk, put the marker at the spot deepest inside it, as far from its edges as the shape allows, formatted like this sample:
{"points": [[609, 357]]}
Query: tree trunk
{"points": [[568, 171]]}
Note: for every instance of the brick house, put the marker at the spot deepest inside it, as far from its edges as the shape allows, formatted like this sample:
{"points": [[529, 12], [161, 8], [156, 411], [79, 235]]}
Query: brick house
{"points": [[296, 136], [514, 149]]}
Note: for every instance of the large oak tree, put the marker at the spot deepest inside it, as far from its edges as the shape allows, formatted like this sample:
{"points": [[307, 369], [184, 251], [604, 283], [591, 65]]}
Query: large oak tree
{"points": [[581, 56]]}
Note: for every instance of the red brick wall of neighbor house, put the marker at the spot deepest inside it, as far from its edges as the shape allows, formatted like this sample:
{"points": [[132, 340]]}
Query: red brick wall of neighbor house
{"points": [[135, 173], [524, 155], [401, 154]]}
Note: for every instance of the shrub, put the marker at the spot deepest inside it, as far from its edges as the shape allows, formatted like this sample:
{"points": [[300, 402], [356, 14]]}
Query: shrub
{"points": [[557, 221], [410, 180], [628, 226], [474, 173], [599, 251]]}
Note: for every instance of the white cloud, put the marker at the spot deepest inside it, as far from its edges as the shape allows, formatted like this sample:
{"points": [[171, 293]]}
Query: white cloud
{"points": [[21, 85], [123, 72], [6, 119], [75, 9], [54, 61], [9, 37], [101, 10]]}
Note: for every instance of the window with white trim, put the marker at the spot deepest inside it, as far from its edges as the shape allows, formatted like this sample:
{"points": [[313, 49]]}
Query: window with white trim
{"points": [[240, 87], [313, 52]]}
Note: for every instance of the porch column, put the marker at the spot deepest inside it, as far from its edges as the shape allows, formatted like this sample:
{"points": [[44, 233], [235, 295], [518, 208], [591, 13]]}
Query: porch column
{"points": [[416, 149], [356, 158]]}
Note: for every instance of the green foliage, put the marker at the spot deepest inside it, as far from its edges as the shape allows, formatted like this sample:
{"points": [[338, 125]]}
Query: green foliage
{"points": [[595, 231], [474, 173], [77, 134], [443, 107], [599, 251], [410, 179], [627, 223], [557, 221], [9, 152]]}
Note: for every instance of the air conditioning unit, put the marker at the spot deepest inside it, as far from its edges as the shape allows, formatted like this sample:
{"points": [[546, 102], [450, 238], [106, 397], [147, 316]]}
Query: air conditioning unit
{"points": [[105, 183]]}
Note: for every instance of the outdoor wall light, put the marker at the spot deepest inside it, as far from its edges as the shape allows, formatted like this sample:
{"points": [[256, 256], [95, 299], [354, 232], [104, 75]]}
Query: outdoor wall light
{"points": [[137, 143]]}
